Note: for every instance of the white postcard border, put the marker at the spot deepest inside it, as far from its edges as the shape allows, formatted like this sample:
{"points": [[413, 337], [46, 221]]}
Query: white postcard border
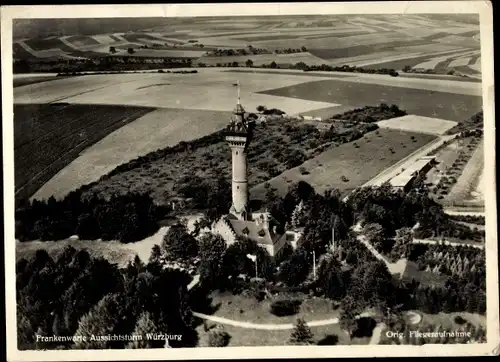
{"points": [[483, 8]]}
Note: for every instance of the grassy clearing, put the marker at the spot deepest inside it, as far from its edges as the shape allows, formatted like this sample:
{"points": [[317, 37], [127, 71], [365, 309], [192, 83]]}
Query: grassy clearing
{"points": [[48, 137], [438, 104], [113, 251], [242, 308], [358, 164], [241, 337]]}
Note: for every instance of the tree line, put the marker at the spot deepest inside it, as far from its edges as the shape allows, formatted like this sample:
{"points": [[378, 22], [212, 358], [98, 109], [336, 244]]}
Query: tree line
{"points": [[127, 218], [77, 295], [108, 63]]}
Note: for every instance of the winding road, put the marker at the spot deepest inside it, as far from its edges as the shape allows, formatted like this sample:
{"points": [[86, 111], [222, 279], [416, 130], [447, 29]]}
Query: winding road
{"points": [[269, 327]]}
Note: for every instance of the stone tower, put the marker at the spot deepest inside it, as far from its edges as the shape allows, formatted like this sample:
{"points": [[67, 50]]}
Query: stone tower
{"points": [[238, 135]]}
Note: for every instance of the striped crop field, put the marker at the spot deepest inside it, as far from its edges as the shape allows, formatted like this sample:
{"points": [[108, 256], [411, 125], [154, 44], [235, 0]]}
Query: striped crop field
{"points": [[47, 137]]}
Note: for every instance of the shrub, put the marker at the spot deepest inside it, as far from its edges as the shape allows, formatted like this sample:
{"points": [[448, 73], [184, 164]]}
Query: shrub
{"points": [[281, 308], [218, 337], [460, 320]]}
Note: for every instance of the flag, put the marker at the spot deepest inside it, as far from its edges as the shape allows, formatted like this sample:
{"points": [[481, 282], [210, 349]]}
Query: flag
{"points": [[252, 257]]}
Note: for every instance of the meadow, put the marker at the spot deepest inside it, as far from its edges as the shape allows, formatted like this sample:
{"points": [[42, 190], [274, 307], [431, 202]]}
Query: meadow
{"points": [[276, 147], [443, 105], [357, 161], [47, 137], [242, 308]]}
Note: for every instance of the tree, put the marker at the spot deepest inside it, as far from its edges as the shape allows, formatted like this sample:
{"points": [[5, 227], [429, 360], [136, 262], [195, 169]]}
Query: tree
{"points": [[218, 337], [144, 326], [407, 68], [330, 277], [296, 269], [375, 234], [350, 309], [25, 332], [179, 243], [303, 48], [301, 334], [249, 63], [261, 108], [273, 65], [156, 255], [101, 320], [212, 248], [403, 243], [130, 50], [112, 50]]}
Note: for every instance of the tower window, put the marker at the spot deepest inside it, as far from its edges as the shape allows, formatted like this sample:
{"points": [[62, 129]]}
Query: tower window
{"points": [[237, 187], [236, 152]]}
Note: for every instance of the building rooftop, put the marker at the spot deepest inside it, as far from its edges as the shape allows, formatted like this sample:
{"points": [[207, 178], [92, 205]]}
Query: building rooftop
{"points": [[253, 230], [407, 175]]}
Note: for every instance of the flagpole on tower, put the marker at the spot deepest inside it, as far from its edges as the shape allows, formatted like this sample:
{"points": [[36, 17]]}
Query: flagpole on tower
{"points": [[238, 82]]}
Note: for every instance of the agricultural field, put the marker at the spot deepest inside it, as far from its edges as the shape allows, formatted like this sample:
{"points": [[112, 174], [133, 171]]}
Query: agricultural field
{"points": [[209, 89], [164, 127], [47, 137], [350, 165], [385, 40], [448, 106], [458, 179], [260, 59], [22, 81], [201, 105], [420, 124], [469, 186]]}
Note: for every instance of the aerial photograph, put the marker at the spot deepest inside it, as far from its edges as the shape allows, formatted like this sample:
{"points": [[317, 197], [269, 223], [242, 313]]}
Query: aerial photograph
{"points": [[249, 181]]}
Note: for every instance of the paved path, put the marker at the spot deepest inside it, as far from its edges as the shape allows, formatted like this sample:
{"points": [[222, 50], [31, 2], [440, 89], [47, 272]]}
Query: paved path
{"points": [[451, 243], [377, 333], [194, 282], [464, 212], [394, 268], [272, 327]]}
